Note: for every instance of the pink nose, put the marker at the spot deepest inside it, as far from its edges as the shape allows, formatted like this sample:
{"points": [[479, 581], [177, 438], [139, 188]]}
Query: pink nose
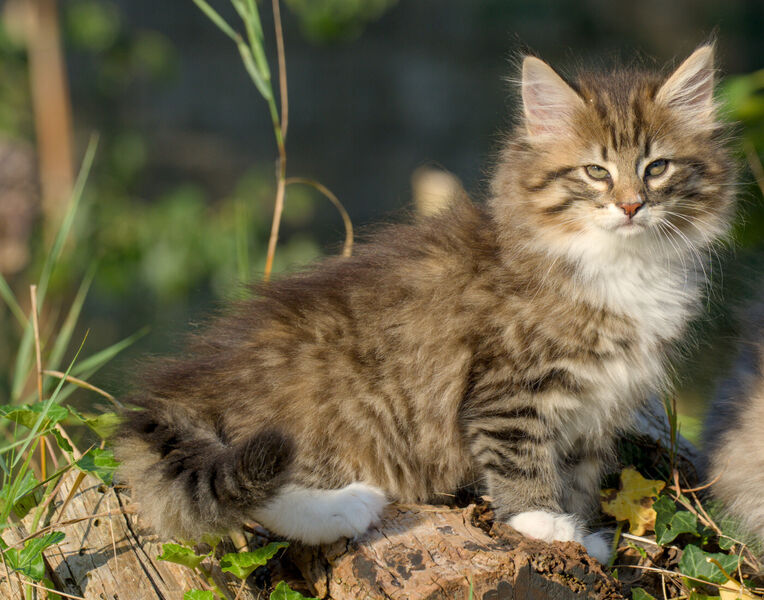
{"points": [[630, 209]]}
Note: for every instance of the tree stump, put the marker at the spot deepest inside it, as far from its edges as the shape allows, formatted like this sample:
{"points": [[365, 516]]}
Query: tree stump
{"points": [[440, 553]]}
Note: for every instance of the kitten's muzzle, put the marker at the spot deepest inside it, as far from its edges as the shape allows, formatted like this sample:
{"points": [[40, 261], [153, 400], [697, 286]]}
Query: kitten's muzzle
{"points": [[630, 208]]}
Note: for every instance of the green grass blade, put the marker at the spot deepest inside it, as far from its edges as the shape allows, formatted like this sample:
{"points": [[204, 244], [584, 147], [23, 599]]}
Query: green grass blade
{"points": [[23, 365], [100, 358], [249, 64], [221, 23], [10, 300], [24, 358], [67, 329], [66, 224]]}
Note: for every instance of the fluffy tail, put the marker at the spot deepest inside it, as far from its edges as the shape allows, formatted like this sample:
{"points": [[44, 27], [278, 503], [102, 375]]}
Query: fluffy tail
{"points": [[187, 480]]}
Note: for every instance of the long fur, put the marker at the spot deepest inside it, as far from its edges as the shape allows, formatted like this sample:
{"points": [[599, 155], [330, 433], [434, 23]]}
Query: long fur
{"points": [[499, 346]]}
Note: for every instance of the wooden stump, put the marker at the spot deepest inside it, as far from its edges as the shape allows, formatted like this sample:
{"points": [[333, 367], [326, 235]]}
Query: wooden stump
{"points": [[109, 556], [437, 553]]}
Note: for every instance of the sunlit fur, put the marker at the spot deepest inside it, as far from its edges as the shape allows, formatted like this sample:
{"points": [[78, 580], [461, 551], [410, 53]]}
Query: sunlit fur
{"points": [[734, 432], [500, 347]]}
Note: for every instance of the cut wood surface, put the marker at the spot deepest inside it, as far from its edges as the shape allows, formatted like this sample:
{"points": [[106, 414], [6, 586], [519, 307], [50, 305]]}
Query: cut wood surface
{"points": [[437, 553], [106, 555]]}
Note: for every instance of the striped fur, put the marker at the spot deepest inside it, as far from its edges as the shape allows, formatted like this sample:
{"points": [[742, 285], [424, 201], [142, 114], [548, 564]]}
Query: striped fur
{"points": [[501, 346]]}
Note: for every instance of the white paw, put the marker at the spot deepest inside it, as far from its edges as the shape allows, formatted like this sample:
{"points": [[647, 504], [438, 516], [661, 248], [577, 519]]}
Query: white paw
{"points": [[316, 516], [551, 527], [357, 507], [598, 546], [547, 526]]}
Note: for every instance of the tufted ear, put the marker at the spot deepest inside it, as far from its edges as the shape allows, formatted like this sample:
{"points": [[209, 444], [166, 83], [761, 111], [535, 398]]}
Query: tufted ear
{"points": [[548, 101], [690, 89]]}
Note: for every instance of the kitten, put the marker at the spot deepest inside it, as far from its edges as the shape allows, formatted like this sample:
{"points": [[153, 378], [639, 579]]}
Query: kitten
{"points": [[502, 346], [733, 432]]}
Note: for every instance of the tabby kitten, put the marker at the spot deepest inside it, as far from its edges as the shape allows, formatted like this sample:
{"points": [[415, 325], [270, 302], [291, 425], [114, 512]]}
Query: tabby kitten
{"points": [[501, 346]]}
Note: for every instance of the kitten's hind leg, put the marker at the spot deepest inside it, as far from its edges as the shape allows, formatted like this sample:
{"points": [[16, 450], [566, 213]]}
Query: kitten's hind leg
{"points": [[317, 516]]}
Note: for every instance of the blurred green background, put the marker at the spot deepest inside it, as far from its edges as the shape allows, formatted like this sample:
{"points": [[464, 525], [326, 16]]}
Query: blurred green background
{"points": [[377, 89]]}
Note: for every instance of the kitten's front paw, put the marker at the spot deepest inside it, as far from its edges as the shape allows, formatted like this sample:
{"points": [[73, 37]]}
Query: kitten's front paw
{"points": [[556, 527], [547, 526], [358, 507]]}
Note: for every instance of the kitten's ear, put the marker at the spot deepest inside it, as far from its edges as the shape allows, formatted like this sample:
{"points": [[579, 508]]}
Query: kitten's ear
{"points": [[548, 101], [690, 89]]}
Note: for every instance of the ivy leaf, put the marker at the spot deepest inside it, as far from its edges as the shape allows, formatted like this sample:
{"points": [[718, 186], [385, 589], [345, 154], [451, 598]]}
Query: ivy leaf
{"points": [[634, 501], [198, 595], [639, 593], [284, 592], [181, 555], [28, 414], [99, 462], [29, 559], [725, 543], [669, 523], [694, 563], [23, 500], [241, 564]]}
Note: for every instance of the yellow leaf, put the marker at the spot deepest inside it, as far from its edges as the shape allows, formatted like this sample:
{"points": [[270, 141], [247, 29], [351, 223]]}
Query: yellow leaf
{"points": [[734, 590], [634, 501]]}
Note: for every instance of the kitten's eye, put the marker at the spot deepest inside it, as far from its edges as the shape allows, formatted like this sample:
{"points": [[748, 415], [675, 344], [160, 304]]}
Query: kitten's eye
{"points": [[657, 167], [597, 172]]}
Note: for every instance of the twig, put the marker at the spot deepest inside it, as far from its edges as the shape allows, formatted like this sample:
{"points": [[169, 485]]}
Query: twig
{"points": [[75, 452], [47, 589], [702, 487], [84, 384], [670, 574], [282, 69], [347, 248], [38, 359], [279, 129], [73, 491], [241, 589]]}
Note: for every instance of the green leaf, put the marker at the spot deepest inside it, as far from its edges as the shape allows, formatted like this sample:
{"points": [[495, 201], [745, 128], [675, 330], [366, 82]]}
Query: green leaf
{"points": [[198, 595], [181, 555], [100, 462], [104, 424], [62, 443], [284, 592], [241, 564], [29, 560], [694, 564], [23, 500], [669, 523], [725, 543], [640, 594], [28, 415]]}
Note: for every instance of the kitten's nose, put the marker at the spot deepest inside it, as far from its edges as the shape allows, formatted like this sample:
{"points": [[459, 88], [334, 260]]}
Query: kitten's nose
{"points": [[630, 208]]}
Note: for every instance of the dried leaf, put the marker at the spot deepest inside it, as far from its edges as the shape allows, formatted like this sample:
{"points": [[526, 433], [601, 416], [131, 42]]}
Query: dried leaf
{"points": [[634, 501]]}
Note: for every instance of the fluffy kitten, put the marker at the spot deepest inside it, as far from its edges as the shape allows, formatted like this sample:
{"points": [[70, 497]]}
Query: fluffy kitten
{"points": [[500, 346], [733, 434]]}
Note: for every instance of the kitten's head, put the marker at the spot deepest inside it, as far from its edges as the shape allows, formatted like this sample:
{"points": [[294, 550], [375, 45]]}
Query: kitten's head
{"points": [[619, 160]]}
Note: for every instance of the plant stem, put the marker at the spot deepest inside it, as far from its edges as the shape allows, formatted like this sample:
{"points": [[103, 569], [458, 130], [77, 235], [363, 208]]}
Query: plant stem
{"points": [[279, 130]]}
